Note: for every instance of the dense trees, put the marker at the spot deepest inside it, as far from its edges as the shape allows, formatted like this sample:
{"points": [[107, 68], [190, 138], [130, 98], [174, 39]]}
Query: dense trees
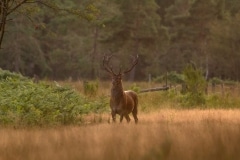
{"points": [[138, 31], [9, 8], [166, 34]]}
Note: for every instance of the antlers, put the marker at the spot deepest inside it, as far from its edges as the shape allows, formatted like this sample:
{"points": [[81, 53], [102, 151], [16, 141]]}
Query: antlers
{"points": [[106, 60], [134, 63]]}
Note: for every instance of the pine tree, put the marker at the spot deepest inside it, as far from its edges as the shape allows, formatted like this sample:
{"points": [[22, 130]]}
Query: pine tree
{"points": [[192, 32], [139, 31], [224, 47]]}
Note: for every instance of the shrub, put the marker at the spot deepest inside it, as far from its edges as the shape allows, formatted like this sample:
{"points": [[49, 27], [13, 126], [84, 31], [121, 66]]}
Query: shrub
{"points": [[23, 102], [90, 88], [195, 86], [135, 88]]}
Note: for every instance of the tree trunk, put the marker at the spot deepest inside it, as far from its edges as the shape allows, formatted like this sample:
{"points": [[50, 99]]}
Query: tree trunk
{"points": [[136, 39], [94, 53], [3, 16]]}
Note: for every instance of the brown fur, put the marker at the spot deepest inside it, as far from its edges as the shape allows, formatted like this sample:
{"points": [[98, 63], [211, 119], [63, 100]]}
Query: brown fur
{"points": [[123, 102]]}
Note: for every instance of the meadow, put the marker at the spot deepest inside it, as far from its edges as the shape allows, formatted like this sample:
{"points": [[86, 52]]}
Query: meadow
{"points": [[166, 130], [164, 134]]}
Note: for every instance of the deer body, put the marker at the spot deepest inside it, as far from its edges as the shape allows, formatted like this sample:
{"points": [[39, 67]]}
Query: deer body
{"points": [[121, 102]]}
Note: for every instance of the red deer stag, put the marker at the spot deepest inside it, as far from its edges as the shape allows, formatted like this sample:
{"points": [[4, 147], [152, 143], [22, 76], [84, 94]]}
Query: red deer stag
{"points": [[121, 102]]}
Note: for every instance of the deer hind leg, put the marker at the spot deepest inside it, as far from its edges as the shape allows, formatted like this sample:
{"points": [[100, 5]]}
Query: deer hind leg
{"points": [[135, 118], [134, 113], [127, 117]]}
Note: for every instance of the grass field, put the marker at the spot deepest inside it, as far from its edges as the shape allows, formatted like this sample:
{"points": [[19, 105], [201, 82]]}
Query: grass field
{"points": [[164, 134], [166, 130]]}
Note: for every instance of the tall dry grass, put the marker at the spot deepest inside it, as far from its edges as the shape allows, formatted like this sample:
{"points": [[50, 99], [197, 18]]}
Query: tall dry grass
{"points": [[162, 133], [166, 134]]}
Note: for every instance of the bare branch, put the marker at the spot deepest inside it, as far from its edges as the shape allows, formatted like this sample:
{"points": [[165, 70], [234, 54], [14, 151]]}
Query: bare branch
{"points": [[15, 7], [47, 4]]}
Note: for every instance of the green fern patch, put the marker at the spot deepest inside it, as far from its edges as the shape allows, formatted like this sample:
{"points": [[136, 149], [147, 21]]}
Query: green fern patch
{"points": [[23, 102]]}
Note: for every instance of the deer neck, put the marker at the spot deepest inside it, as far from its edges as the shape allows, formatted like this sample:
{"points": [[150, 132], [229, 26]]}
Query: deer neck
{"points": [[117, 92]]}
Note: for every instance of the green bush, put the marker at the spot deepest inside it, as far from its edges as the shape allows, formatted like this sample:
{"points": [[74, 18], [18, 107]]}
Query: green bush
{"points": [[90, 88], [23, 102], [100, 105], [195, 86], [4, 74], [135, 88]]}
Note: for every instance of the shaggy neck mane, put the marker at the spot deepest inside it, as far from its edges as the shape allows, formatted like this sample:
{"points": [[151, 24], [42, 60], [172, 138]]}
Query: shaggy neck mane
{"points": [[117, 92]]}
